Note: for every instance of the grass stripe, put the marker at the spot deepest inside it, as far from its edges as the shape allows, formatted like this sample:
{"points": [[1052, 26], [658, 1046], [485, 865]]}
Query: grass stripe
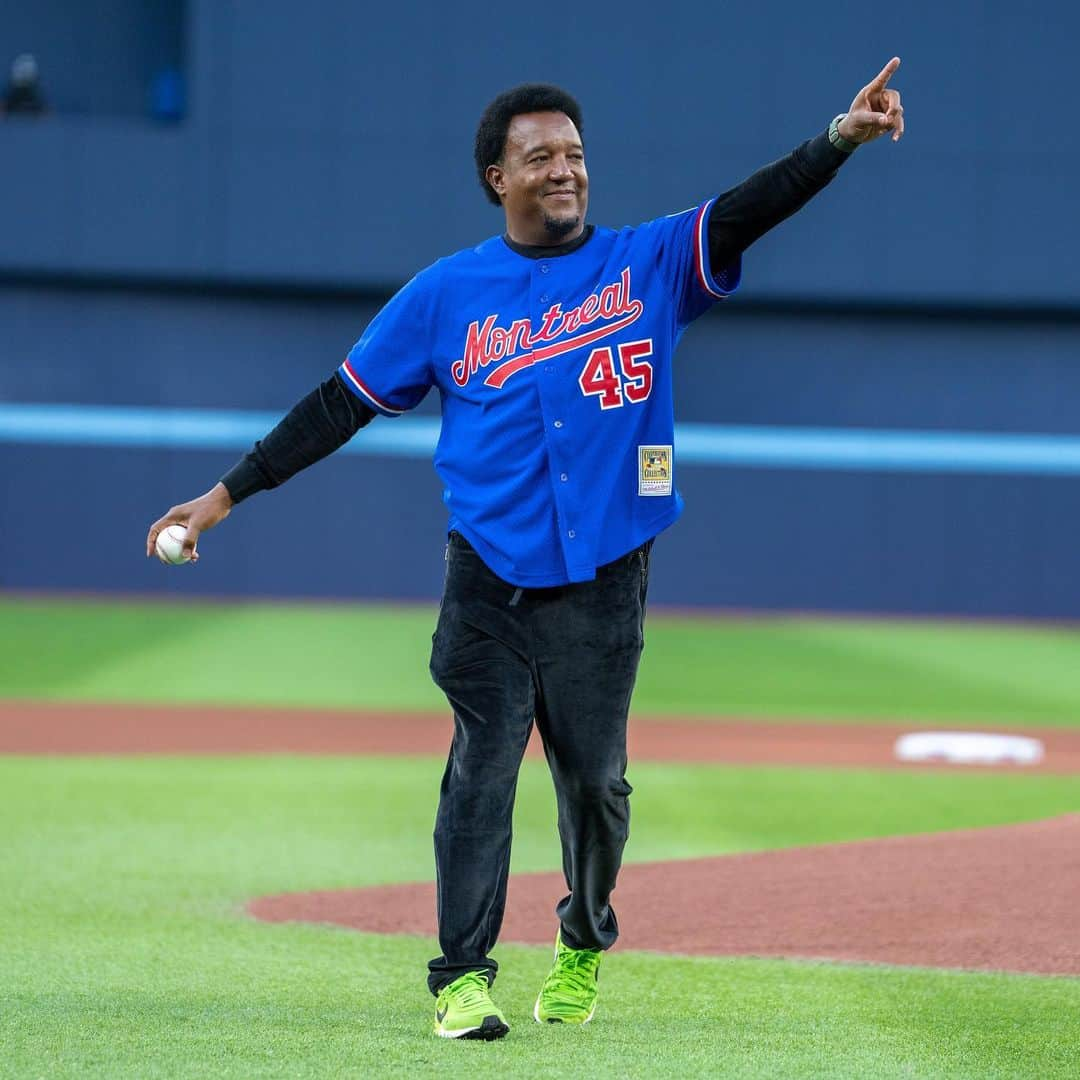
{"points": [[125, 953], [355, 656]]}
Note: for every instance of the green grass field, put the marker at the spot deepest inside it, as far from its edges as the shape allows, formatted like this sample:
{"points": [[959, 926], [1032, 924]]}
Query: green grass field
{"points": [[346, 656], [124, 950]]}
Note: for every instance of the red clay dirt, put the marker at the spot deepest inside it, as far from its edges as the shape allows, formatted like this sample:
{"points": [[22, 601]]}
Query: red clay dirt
{"points": [[1000, 899], [63, 728], [992, 899]]}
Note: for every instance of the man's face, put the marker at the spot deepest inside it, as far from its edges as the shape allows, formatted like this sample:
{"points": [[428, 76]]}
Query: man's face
{"points": [[542, 179]]}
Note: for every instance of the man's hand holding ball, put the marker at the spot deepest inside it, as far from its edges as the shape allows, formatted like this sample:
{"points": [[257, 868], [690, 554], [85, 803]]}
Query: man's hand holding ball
{"points": [[172, 538]]}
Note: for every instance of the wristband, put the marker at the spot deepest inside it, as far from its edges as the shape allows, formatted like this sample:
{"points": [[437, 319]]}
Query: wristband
{"points": [[838, 140]]}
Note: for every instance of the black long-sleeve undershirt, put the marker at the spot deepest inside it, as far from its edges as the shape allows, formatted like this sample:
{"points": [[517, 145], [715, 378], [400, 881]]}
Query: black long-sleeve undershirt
{"points": [[314, 427], [331, 414], [772, 194]]}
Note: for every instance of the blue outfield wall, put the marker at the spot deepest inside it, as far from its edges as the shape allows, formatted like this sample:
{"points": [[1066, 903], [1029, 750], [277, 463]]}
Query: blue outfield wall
{"points": [[372, 527], [881, 421], [899, 461], [330, 143]]}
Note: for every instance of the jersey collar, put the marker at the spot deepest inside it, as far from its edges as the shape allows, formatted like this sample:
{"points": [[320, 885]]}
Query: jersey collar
{"points": [[538, 251]]}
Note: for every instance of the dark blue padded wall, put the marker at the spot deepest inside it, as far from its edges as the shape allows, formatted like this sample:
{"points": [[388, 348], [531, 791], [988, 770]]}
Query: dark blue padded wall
{"points": [[741, 364], [228, 262], [331, 143], [372, 526]]}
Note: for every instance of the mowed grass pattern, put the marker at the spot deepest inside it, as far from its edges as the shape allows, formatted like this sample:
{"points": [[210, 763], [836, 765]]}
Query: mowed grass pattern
{"points": [[126, 952], [350, 656]]}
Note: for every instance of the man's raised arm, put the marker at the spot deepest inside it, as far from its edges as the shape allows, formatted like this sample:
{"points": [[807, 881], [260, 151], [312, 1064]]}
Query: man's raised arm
{"points": [[746, 212]]}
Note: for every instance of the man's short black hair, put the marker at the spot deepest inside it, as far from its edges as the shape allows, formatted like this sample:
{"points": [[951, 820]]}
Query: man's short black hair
{"points": [[495, 122]]}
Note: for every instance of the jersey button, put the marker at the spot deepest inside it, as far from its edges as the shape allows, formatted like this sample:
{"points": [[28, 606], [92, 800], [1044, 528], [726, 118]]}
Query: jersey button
{"points": [[571, 534], [550, 369], [545, 298], [544, 268], [558, 423], [563, 477]]}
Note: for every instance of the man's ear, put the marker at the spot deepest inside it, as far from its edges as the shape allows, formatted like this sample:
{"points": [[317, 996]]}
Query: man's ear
{"points": [[496, 178]]}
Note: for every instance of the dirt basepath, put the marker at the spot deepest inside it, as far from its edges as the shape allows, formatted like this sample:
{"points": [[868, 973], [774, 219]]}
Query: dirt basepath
{"points": [[44, 728], [1001, 899], [995, 899]]}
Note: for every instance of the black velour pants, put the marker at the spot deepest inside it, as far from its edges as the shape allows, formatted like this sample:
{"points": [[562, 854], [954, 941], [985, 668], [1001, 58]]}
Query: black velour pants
{"points": [[566, 656]]}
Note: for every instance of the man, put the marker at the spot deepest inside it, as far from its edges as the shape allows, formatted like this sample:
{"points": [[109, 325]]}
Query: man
{"points": [[23, 96], [551, 347]]}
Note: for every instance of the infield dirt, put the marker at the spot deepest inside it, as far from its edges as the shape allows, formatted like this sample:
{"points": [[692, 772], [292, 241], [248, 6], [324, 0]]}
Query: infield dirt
{"points": [[998, 899], [990, 899], [64, 728]]}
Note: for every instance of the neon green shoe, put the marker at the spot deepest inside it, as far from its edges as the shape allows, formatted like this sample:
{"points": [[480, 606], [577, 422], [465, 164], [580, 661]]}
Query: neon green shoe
{"points": [[464, 1010], [569, 993]]}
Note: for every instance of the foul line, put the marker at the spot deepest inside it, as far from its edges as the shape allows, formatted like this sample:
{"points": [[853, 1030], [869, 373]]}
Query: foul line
{"points": [[831, 449]]}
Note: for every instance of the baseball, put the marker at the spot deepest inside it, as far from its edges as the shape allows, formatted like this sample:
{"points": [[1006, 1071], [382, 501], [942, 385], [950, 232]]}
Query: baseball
{"points": [[170, 545]]}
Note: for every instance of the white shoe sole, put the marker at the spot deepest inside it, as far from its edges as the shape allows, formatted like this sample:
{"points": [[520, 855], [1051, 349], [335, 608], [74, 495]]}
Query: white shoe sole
{"points": [[478, 1032]]}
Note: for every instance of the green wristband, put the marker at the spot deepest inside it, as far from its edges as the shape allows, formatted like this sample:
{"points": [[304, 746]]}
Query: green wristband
{"points": [[837, 139]]}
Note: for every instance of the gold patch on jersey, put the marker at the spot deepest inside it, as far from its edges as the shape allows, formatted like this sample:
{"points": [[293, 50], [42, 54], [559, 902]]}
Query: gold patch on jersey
{"points": [[654, 470]]}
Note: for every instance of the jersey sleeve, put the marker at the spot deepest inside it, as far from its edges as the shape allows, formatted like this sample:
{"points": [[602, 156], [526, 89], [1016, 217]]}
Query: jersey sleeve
{"points": [[682, 255], [389, 368]]}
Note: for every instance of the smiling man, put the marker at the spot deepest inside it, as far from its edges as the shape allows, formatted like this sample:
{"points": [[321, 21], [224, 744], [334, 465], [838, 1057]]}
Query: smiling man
{"points": [[538, 176], [551, 347]]}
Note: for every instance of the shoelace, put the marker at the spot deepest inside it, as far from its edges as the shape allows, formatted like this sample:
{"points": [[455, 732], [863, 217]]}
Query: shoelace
{"points": [[577, 967], [473, 991]]}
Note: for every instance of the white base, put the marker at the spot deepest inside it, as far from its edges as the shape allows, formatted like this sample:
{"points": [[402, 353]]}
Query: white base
{"points": [[969, 748]]}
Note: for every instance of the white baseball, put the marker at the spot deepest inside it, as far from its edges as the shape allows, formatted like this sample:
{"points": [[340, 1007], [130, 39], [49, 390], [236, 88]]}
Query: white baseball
{"points": [[169, 545]]}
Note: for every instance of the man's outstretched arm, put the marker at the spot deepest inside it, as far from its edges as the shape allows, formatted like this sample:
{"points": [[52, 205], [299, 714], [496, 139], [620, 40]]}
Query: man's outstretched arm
{"points": [[315, 426], [746, 212]]}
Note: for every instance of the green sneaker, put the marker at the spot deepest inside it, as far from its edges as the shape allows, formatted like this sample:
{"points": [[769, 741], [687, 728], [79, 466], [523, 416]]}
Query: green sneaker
{"points": [[464, 1010], [569, 993]]}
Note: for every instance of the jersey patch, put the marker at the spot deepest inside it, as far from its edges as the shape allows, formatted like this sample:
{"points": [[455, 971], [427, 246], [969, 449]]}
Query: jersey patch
{"points": [[654, 470]]}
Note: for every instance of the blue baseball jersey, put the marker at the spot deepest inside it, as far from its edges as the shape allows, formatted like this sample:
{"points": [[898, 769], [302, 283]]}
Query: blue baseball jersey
{"points": [[555, 374]]}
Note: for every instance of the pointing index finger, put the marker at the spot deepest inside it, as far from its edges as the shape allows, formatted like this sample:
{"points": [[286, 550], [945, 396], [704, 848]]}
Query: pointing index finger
{"points": [[883, 76]]}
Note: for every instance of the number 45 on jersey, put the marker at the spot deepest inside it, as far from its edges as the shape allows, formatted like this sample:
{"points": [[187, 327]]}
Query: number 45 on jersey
{"points": [[631, 383]]}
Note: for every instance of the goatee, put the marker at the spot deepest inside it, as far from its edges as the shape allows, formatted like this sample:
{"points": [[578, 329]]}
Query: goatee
{"points": [[560, 227]]}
